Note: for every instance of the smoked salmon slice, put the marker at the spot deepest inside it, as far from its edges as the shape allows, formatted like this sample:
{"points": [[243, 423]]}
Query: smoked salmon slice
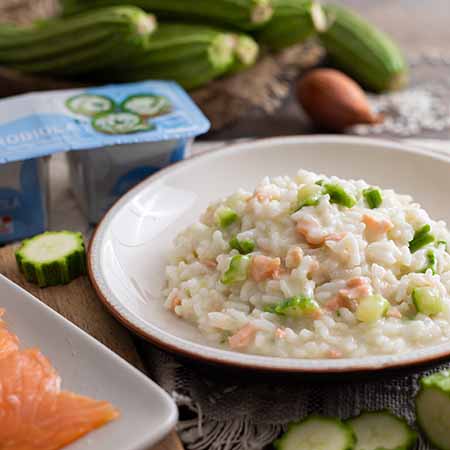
{"points": [[34, 413], [8, 342]]}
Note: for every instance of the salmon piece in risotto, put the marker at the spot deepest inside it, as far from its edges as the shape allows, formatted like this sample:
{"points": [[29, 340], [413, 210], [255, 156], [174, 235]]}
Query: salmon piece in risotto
{"points": [[263, 267]]}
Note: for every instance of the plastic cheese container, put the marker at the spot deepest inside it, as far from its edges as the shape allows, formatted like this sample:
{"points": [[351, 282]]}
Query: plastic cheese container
{"points": [[99, 178], [114, 136]]}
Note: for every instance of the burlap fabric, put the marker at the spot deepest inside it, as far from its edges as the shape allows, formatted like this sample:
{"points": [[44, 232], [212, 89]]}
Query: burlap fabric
{"points": [[249, 415]]}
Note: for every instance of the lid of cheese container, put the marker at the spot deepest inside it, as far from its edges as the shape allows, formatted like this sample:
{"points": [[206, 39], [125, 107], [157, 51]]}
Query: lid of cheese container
{"points": [[43, 123]]}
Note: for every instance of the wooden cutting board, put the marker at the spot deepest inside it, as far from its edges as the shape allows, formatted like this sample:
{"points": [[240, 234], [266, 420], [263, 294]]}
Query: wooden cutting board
{"points": [[79, 304]]}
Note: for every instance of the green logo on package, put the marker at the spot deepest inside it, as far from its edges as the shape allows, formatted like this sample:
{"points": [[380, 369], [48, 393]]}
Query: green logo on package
{"points": [[131, 116]]}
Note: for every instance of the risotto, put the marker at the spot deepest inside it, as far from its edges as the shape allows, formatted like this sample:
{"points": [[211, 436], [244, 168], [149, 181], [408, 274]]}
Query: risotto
{"points": [[314, 267]]}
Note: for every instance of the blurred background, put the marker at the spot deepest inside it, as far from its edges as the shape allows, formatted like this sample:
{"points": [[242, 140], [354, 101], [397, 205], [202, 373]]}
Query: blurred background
{"points": [[264, 95]]}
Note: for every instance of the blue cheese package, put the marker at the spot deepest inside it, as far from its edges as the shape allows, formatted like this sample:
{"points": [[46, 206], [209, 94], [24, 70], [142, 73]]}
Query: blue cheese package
{"points": [[23, 198], [116, 135]]}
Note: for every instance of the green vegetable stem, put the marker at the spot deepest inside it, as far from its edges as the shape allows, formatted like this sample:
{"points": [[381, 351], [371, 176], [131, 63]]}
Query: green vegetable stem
{"points": [[338, 195], [373, 197], [422, 237]]}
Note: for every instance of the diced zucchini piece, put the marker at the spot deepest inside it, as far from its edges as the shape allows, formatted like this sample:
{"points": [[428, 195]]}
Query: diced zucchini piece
{"points": [[317, 433], [427, 300], [373, 197], [338, 195], [297, 306], [433, 409], [382, 430], [372, 308], [441, 242], [52, 258], [225, 216], [422, 237], [309, 195], [243, 246], [237, 270], [431, 262]]}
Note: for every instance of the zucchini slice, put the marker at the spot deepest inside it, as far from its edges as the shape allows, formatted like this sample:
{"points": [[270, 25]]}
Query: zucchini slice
{"points": [[433, 409], [52, 258], [120, 123], [90, 105], [381, 430], [146, 105], [318, 433]]}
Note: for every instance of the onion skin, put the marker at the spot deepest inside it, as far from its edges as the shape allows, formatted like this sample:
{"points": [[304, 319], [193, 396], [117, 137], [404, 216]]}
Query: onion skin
{"points": [[334, 101]]}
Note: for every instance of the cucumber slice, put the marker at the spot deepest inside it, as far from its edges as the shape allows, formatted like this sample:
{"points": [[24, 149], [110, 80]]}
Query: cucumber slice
{"points": [[318, 433], [90, 105], [147, 105], [433, 409], [382, 430], [52, 258], [120, 123]]}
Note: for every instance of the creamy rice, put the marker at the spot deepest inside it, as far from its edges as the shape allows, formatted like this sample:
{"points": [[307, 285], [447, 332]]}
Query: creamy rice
{"points": [[328, 254]]}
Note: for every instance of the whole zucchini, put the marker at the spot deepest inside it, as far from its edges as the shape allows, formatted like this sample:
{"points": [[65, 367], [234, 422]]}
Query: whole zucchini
{"points": [[290, 24], [76, 45], [239, 14], [245, 53], [362, 51], [189, 54]]}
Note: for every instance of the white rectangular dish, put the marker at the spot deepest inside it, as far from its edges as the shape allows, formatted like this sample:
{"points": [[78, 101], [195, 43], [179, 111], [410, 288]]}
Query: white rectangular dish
{"points": [[88, 368]]}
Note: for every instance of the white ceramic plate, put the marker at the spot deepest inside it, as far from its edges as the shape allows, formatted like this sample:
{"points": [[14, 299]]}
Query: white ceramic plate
{"points": [[128, 252], [89, 368]]}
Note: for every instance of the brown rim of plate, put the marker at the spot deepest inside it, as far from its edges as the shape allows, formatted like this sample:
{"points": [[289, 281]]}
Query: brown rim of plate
{"points": [[233, 364]]}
